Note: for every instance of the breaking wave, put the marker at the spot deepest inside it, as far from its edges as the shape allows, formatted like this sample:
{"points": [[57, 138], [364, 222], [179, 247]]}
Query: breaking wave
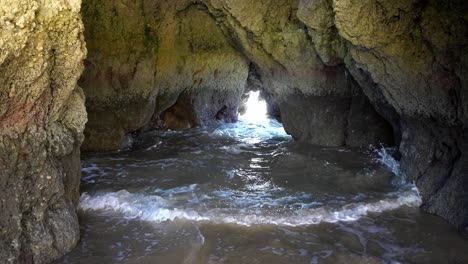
{"points": [[154, 208]]}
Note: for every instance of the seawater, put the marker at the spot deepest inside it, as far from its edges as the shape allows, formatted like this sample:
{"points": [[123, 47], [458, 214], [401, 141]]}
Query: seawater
{"points": [[247, 193]]}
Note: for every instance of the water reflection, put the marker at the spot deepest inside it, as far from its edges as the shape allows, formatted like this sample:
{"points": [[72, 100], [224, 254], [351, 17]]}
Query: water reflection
{"points": [[245, 193]]}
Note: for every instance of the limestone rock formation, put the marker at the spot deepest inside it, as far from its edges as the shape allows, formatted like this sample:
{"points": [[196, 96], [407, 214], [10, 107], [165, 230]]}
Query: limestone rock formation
{"points": [[120, 70], [198, 67], [42, 118], [169, 59], [312, 95], [152, 63], [410, 57], [338, 72]]}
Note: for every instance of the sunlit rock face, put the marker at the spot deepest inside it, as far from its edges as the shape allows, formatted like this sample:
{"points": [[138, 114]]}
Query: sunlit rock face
{"points": [[336, 72], [42, 118]]}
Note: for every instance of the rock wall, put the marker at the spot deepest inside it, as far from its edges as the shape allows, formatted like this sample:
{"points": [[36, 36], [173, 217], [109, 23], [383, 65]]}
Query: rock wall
{"points": [[274, 38], [161, 63], [156, 64], [42, 118], [119, 78], [338, 72], [198, 67], [410, 58]]}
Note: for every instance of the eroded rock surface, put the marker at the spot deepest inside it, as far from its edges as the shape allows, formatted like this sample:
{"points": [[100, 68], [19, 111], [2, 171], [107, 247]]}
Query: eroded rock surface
{"points": [[410, 57], [156, 63], [42, 118], [313, 96], [338, 72], [197, 66], [186, 63]]}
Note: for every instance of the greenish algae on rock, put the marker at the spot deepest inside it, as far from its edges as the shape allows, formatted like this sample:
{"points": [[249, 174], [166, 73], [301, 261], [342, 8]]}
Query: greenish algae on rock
{"points": [[204, 49], [355, 66], [338, 72], [42, 118]]}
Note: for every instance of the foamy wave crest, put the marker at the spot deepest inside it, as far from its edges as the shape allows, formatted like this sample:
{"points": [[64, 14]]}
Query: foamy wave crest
{"points": [[254, 125], [386, 158], [144, 207], [251, 133], [157, 209]]}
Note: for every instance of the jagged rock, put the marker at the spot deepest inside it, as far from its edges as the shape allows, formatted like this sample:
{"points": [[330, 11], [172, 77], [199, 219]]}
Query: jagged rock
{"points": [[410, 57], [319, 18], [335, 120], [119, 78], [336, 72], [198, 67], [42, 118], [407, 61], [155, 53], [306, 82]]}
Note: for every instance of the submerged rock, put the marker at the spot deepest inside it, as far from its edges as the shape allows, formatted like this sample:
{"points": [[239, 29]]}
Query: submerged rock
{"points": [[42, 118]]}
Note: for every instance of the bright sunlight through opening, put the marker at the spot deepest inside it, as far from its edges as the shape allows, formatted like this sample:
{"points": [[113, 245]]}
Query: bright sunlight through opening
{"points": [[256, 109]]}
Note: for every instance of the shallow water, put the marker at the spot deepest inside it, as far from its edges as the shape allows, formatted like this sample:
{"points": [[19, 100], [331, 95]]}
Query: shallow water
{"points": [[246, 193]]}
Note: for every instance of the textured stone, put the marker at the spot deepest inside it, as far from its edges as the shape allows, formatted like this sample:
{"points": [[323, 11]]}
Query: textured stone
{"points": [[319, 18], [194, 50], [407, 61], [336, 72], [119, 78], [410, 59], [198, 67], [144, 55], [42, 118], [298, 71]]}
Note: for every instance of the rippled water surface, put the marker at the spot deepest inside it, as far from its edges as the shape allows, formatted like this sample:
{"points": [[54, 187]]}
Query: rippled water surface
{"points": [[245, 193]]}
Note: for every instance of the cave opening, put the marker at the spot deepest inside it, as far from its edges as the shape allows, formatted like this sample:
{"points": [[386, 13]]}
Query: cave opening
{"points": [[236, 146], [233, 131], [254, 109]]}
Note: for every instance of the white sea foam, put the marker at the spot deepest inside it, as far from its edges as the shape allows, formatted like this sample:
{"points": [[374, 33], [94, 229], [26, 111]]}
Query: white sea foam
{"points": [[178, 190], [155, 208], [144, 207], [254, 125], [385, 158], [232, 149], [250, 133], [260, 202]]}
